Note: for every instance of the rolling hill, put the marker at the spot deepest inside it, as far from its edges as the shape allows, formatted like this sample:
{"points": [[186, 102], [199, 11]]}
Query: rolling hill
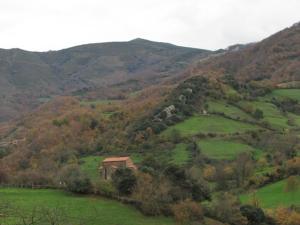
{"points": [[275, 59], [106, 70]]}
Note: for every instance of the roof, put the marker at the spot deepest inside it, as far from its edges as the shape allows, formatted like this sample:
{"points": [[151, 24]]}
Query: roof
{"points": [[115, 159]]}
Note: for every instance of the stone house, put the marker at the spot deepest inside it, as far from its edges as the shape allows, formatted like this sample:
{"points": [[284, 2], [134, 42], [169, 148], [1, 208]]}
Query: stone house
{"points": [[111, 164]]}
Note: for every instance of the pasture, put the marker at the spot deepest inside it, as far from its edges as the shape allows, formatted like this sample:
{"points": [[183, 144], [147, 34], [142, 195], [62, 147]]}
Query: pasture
{"points": [[274, 195], [221, 149], [286, 93], [77, 209], [228, 110], [209, 124], [180, 154]]}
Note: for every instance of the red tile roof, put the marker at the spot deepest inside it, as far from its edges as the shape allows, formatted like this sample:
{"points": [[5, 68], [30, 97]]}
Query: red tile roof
{"points": [[116, 159]]}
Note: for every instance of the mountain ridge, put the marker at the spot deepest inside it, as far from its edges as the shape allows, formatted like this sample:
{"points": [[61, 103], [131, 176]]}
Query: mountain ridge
{"points": [[28, 76]]}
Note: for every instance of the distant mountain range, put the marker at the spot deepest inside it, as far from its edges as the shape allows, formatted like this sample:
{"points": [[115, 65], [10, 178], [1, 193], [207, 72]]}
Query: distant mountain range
{"points": [[107, 69]]}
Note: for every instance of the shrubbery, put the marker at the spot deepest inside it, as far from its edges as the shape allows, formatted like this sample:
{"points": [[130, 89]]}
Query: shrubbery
{"points": [[75, 181]]}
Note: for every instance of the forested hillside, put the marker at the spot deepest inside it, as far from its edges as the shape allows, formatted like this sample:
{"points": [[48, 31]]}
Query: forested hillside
{"points": [[274, 60], [105, 70]]}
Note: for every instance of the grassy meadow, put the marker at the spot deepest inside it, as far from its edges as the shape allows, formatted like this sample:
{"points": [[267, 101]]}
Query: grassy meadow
{"points": [[286, 93], [89, 210], [221, 149], [228, 110], [209, 124], [275, 195], [180, 154]]}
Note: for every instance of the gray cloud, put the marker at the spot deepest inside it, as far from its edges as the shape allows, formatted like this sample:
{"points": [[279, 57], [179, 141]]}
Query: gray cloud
{"points": [[211, 24]]}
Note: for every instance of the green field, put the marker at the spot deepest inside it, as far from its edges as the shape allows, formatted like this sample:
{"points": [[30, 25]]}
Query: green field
{"points": [[274, 195], [90, 164], [220, 149], [78, 209], [209, 124], [286, 93], [271, 113], [228, 110], [180, 154]]}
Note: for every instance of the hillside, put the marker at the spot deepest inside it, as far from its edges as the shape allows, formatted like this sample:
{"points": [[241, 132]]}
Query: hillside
{"points": [[220, 140], [105, 70], [274, 59]]}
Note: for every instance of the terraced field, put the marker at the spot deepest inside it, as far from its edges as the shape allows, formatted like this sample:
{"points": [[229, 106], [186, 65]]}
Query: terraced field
{"points": [[272, 114], [228, 110], [76, 209], [210, 124], [274, 195], [286, 93], [221, 149]]}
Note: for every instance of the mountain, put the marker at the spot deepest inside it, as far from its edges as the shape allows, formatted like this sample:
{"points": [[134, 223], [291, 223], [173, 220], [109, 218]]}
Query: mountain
{"points": [[106, 69], [276, 59]]}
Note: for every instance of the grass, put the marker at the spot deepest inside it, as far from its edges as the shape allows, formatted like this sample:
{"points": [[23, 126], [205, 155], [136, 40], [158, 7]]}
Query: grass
{"points": [[90, 165], [221, 149], [228, 110], [274, 195], [264, 170], [271, 113], [286, 93], [209, 124], [92, 210], [180, 154]]}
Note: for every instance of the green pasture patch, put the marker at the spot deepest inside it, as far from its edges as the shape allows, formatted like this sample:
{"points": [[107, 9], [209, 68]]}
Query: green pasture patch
{"points": [[286, 93], [274, 195], [222, 149], [78, 209], [180, 154], [209, 124], [228, 110]]}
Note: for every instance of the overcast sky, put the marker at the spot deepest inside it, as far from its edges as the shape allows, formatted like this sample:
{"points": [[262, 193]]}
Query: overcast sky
{"points": [[42, 25]]}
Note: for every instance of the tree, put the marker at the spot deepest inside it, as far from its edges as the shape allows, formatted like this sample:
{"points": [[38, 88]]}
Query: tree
{"points": [[293, 166], [209, 172], [175, 136], [187, 211], [292, 184], [243, 168], [74, 180], [152, 193], [254, 200], [226, 208], [253, 214], [3, 175], [284, 216], [258, 114], [124, 180]]}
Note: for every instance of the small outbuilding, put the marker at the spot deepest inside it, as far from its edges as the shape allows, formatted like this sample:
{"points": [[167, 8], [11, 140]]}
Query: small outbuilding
{"points": [[111, 164]]}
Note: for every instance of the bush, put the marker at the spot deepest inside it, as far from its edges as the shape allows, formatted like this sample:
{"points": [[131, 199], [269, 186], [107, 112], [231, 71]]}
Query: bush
{"points": [[153, 195], [124, 180], [187, 211], [253, 214], [75, 181], [105, 188], [258, 114]]}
